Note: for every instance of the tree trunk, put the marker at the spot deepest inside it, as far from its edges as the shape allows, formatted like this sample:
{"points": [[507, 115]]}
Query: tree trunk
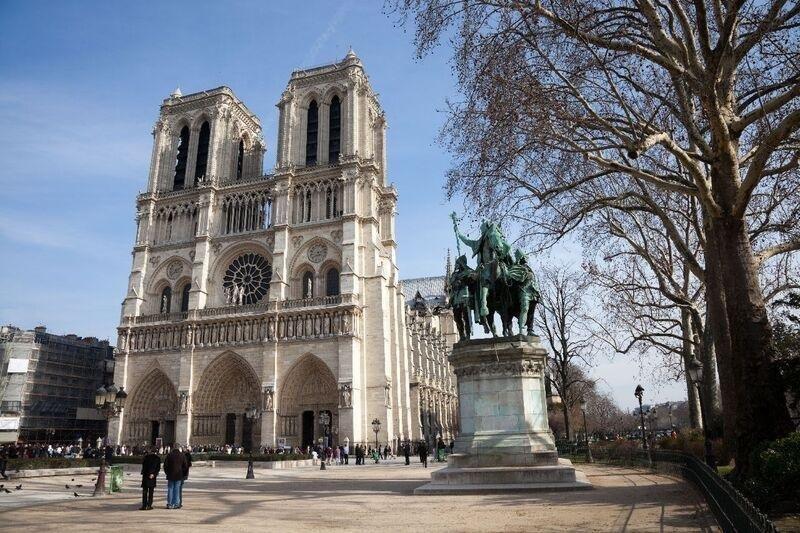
{"points": [[565, 410], [710, 387], [695, 419], [743, 338]]}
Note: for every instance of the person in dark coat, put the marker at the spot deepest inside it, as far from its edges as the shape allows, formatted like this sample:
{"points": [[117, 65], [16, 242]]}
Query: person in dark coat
{"points": [[423, 453], [151, 465], [174, 468], [109, 455], [407, 452], [188, 456]]}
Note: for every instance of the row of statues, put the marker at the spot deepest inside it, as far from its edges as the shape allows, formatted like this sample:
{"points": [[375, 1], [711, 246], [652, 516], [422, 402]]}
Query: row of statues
{"points": [[234, 294], [501, 283]]}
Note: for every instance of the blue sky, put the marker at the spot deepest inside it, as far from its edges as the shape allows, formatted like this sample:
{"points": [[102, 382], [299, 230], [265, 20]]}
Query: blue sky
{"points": [[80, 86]]}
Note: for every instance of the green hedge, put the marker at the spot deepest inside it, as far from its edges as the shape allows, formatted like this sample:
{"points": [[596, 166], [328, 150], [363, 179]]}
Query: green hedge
{"points": [[775, 482], [49, 462], [693, 442]]}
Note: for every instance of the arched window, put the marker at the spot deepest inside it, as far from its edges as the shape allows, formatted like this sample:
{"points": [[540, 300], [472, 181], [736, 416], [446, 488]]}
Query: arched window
{"points": [[307, 207], [308, 285], [185, 297], [332, 282], [202, 151], [240, 160], [312, 128], [166, 300], [180, 163], [330, 205], [335, 130]]}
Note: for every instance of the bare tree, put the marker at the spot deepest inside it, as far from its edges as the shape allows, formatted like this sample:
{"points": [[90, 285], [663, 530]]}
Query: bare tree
{"points": [[562, 319], [569, 107]]}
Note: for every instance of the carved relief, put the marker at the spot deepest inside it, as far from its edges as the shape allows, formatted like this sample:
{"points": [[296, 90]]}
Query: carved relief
{"points": [[317, 253], [183, 402], [156, 259], [268, 394], [297, 240], [174, 269], [345, 396], [336, 236]]}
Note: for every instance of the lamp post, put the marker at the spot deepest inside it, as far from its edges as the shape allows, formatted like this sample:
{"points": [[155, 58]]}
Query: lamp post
{"points": [[252, 414], [696, 376], [376, 427], [669, 413], [589, 458], [109, 401], [639, 392], [653, 425], [325, 420]]}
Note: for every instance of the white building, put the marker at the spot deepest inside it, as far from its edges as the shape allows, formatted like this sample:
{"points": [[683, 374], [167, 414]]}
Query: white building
{"points": [[278, 294]]}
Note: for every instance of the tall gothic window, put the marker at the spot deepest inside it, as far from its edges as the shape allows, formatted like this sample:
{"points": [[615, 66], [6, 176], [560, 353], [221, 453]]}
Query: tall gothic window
{"points": [[308, 285], [335, 130], [202, 151], [312, 128], [307, 207], [330, 205], [180, 163], [332, 282], [185, 297], [240, 160], [166, 300]]}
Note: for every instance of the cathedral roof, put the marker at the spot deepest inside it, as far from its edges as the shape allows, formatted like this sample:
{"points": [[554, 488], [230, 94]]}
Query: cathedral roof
{"points": [[431, 289]]}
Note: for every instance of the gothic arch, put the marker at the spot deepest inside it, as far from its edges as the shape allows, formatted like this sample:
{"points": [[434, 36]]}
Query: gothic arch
{"points": [[309, 385], [300, 256], [334, 90], [228, 384], [153, 399]]}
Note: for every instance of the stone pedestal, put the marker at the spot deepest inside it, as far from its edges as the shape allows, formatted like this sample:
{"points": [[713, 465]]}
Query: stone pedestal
{"points": [[505, 444]]}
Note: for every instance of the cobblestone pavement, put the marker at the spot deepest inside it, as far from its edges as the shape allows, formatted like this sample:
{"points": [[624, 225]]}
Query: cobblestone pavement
{"points": [[356, 498]]}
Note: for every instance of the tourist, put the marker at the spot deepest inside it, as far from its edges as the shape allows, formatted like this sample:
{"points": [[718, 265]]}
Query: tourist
{"points": [[423, 453], [188, 455], [407, 452], [3, 461], [174, 466], [151, 465]]}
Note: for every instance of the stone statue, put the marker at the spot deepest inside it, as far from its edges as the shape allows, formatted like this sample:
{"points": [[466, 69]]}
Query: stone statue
{"points": [[184, 401], [309, 288], [346, 395], [268, 398], [501, 283], [164, 304], [240, 295], [462, 278]]}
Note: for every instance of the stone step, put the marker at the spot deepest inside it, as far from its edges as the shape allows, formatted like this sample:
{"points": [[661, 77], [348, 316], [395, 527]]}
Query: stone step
{"points": [[581, 482], [504, 475], [497, 458]]}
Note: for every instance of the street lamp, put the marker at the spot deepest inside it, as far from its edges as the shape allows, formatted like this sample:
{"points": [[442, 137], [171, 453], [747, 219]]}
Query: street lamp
{"points": [[252, 413], [376, 427], [589, 458], [639, 392], [696, 376], [109, 401], [653, 425]]}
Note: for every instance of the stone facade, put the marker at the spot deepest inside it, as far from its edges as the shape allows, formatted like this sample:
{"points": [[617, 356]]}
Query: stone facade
{"points": [[277, 294]]}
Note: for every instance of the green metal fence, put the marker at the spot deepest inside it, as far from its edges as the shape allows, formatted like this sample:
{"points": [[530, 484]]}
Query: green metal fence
{"points": [[734, 512]]}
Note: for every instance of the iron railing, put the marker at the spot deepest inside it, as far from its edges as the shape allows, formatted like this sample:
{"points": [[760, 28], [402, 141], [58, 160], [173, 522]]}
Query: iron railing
{"points": [[732, 510]]}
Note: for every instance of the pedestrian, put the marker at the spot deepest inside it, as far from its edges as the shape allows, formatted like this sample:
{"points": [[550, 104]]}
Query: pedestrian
{"points": [[109, 455], [151, 465], [407, 452], [452, 445], [188, 455], [346, 452], [3, 461], [174, 466], [423, 453]]}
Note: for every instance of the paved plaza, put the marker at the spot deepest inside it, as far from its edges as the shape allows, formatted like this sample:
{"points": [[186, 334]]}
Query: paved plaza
{"points": [[349, 498]]}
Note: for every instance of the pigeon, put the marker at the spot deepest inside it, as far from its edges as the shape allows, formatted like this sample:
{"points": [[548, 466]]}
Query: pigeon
{"points": [[66, 486], [73, 479], [79, 486], [19, 487], [1, 485], [76, 494], [94, 478], [7, 491]]}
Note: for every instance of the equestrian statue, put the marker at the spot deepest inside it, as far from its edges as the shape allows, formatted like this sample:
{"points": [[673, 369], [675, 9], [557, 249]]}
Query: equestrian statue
{"points": [[502, 283]]}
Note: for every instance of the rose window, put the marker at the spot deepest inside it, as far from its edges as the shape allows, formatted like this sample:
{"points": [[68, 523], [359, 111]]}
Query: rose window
{"points": [[247, 279]]}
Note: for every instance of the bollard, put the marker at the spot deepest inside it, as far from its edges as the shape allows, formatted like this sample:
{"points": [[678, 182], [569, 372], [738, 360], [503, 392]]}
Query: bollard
{"points": [[322, 466], [250, 473]]}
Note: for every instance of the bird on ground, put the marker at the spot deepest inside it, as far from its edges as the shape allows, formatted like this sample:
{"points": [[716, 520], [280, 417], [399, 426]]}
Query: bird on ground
{"points": [[19, 487], [73, 479], [7, 491], [79, 486], [94, 478], [66, 486], [76, 494]]}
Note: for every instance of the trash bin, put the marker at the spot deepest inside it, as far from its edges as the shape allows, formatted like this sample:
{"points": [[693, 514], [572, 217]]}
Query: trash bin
{"points": [[116, 476]]}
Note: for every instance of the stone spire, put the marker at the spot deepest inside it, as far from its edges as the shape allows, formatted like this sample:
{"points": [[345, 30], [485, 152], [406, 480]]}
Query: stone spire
{"points": [[176, 93]]}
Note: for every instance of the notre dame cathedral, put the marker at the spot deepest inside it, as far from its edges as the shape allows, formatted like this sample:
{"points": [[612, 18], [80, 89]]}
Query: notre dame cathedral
{"points": [[267, 309]]}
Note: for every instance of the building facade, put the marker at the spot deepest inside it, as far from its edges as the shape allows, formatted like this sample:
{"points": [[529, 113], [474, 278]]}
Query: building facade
{"points": [[48, 384], [267, 309]]}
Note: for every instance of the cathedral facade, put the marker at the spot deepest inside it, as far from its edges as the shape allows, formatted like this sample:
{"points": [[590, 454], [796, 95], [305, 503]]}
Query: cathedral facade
{"points": [[267, 309]]}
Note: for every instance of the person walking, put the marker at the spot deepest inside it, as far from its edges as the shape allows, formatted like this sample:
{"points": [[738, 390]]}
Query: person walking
{"points": [[151, 465], [188, 455], [407, 452], [423, 453], [174, 466]]}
